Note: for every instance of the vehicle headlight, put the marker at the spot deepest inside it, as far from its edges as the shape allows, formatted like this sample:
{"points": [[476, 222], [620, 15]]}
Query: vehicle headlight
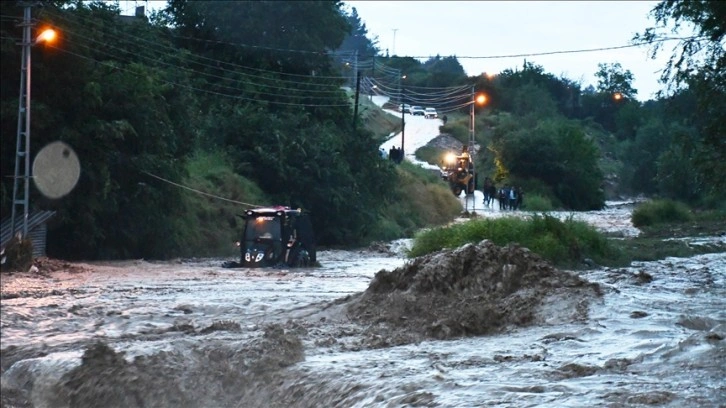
{"points": [[259, 257], [247, 256]]}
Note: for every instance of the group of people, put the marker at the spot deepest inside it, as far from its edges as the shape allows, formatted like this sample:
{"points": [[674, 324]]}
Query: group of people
{"points": [[395, 154], [509, 197]]}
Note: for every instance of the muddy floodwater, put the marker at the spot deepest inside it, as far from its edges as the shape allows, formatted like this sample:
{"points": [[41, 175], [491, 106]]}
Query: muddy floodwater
{"points": [[189, 333]]}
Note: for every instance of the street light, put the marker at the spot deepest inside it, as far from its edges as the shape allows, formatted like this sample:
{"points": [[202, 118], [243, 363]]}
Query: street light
{"points": [[403, 121], [476, 99], [22, 145]]}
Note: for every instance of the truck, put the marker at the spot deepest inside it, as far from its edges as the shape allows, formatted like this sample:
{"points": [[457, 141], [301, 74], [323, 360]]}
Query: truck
{"points": [[277, 236], [458, 172]]}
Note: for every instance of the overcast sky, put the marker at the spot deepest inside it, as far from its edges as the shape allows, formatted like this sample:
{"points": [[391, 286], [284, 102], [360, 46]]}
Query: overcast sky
{"points": [[493, 28]]}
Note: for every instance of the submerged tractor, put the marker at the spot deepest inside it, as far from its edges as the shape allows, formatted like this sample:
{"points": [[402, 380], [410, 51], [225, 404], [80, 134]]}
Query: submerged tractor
{"points": [[276, 236], [458, 171]]}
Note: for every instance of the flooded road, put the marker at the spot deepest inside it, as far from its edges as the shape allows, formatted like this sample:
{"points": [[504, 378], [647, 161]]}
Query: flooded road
{"points": [[190, 333]]}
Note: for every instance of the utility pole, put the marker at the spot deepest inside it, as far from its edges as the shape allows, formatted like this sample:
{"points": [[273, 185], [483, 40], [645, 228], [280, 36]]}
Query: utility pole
{"points": [[471, 130], [357, 94], [355, 67], [22, 144], [394, 41], [373, 75], [403, 121]]}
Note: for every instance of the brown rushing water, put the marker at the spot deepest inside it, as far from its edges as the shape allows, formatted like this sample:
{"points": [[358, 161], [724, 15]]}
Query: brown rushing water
{"points": [[192, 334]]}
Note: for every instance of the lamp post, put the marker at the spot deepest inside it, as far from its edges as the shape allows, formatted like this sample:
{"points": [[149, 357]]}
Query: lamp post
{"points": [[476, 99], [22, 144], [403, 113]]}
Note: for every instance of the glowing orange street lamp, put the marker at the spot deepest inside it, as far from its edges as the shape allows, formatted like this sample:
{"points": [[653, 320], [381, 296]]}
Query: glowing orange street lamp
{"points": [[48, 35], [22, 149], [481, 99], [618, 96]]}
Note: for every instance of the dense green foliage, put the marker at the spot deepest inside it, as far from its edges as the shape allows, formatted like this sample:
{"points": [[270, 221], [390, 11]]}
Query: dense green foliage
{"points": [[559, 154], [220, 98], [660, 212], [564, 243], [536, 202]]}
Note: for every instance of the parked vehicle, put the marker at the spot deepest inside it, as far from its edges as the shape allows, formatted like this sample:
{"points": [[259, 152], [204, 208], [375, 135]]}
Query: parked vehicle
{"points": [[404, 107], [276, 236], [430, 113], [417, 111]]}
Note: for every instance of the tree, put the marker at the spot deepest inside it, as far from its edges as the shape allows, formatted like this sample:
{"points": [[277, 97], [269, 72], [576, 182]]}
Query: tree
{"points": [[558, 153], [444, 72], [615, 81], [698, 63], [115, 106], [357, 41]]}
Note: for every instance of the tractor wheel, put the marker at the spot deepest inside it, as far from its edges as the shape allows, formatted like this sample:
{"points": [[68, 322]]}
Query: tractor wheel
{"points": [[456, 190], [299, 258]]}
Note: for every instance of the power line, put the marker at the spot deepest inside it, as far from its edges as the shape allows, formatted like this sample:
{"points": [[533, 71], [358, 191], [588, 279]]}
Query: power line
{"points": [[537, 54], [198, 191]]}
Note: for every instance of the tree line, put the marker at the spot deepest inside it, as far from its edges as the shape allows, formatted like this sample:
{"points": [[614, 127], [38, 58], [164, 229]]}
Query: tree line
{"points": [[259, 86]]}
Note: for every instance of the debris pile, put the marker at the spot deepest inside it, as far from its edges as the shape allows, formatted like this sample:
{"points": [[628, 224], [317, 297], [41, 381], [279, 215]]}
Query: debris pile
{"points": [[474, 290]]}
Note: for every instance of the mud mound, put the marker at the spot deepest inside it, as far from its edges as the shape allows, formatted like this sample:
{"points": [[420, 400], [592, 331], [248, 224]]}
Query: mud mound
{"points": [[209, 374], [473, 290], [446, 142], [47, 265]]}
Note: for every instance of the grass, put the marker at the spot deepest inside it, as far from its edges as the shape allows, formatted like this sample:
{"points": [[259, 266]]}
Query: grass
{"points": [[660, 212], [375, 119], [421, 201], [564, 243], [431, 155], [537, 202], [211, 226], [568, 243]]}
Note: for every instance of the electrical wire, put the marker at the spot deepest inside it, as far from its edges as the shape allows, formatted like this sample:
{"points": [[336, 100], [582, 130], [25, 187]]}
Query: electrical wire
{"points": [[214, 63], [332, 88], [198, 191], [191, 88]]}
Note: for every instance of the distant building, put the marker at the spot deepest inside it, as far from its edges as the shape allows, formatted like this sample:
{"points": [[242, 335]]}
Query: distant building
{"points": [[139, 15]]}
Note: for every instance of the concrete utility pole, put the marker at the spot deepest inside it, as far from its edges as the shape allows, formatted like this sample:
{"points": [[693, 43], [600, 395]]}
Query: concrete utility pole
{"points": [[394, 41]]}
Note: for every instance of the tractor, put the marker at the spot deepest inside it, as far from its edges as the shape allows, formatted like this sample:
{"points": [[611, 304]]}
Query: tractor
{"points": [[458, 171], [275, 236]]}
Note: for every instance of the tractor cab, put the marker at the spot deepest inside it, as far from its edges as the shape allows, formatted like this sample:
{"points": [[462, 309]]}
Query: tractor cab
{"points": [[276, 236]]}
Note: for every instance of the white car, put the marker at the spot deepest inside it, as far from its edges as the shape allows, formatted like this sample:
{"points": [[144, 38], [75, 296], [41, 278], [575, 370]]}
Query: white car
{"points": [[404, 107], [417, 111], [430, 113]]}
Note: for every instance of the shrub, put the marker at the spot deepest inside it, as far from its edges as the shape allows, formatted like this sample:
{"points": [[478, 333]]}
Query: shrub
{"points": [[536, 202], [564, 243], [431, 155], [660, 212]]}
